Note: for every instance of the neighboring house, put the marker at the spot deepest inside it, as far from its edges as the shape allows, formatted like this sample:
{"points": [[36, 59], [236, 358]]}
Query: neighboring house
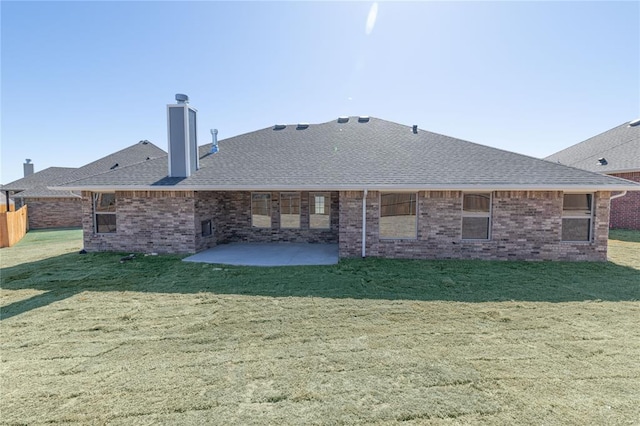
{"points": [[63, 208], [615, 152], [375, 187]]}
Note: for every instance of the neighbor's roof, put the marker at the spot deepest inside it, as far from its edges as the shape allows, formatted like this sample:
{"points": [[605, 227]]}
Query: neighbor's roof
{"points": [[374, 154], [620, 148], [38, 184], [49, 176]]}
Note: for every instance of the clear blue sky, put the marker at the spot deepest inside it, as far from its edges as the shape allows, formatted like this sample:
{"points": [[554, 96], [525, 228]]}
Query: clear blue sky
{"points": [[83, 79]]}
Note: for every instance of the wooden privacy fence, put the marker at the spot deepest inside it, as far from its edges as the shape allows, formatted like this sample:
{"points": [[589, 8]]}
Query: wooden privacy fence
{"points": [[13, 226]]}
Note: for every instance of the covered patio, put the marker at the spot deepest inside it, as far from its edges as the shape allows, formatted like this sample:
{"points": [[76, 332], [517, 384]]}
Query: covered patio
{"points": [[268, 254]]}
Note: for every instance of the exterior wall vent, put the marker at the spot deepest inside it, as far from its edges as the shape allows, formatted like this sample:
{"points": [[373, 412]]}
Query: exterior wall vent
{"points": [[182, 135], [363, 119], [279, 126], [302, 126], [343, 119]]}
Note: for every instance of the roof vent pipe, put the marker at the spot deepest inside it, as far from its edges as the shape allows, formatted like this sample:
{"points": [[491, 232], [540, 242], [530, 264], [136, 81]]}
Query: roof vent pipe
{"points": [[27, 167], [214, 140], [415, 128]]}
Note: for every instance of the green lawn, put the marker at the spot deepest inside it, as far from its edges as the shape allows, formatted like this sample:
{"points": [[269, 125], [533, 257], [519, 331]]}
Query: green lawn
{"points": [[86, 339]]}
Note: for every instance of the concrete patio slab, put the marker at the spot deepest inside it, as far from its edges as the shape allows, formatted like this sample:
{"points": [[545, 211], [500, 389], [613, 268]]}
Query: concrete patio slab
{"points": [[269, 254]]}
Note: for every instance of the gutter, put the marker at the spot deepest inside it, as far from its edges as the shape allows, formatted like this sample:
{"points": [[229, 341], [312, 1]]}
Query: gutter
{"points": [[350, 187], [364, 224]]}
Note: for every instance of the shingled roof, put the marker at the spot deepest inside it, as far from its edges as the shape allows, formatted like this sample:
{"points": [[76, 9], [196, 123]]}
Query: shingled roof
{"points": [[619, 147], [38, 184], [359, 153], [39, 181]]}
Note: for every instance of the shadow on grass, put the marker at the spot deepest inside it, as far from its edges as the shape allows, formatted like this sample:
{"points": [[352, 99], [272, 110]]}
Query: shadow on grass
{"points": [[626, 235], [449, 280]]}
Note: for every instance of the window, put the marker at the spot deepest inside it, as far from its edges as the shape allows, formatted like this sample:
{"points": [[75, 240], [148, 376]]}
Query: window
{"points": [[261, 210], [206, 228], [577, 211], [290, 210], [104, 210], [476, 216], [319, 211], [398, 216]]}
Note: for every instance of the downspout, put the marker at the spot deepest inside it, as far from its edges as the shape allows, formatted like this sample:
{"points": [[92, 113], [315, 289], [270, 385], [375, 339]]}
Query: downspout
{"points": [[6, 194], [364, 224], [622, 194]]}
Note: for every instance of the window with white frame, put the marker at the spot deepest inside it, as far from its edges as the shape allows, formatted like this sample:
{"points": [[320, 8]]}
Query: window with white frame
{"points": [[398, 218], [261, 210], [104, 212], [476, 216], [577, 214], [290, 210], [319, 211]]}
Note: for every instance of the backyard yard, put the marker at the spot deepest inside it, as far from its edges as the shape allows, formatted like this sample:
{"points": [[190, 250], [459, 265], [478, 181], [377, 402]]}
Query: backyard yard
{"points": [[87, 339]]}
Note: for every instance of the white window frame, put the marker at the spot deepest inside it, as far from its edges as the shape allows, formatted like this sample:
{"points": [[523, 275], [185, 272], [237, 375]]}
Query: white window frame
{"points": [[487, 215], [94, 197], [326, 208], [575, 216], [415, 231], [299, 209], [268, 210]]}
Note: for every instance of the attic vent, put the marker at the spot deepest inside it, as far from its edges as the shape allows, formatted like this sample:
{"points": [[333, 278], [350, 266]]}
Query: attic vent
{"points": [[602, 161], [302, 126], [415, 128], [634, 122], [148, 158], [279, 126], [343, 119], [363, 119], [144, 142], [114, 166]]}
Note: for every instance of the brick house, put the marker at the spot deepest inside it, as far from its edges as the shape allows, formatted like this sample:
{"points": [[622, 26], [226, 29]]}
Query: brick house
{"points": [[615, 152], [374, 187], [61, 208]]}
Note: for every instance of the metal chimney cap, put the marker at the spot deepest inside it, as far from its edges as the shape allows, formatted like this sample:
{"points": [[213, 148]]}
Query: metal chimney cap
{"points": [[214, 131], [182, 98], [27, 161]]}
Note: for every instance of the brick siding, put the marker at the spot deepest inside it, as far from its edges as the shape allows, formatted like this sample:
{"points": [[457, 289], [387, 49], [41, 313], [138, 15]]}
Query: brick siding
{"points": [[230, 213], [171, 222], [625, 211], [525, 226], [54, 212], [146, 221]]}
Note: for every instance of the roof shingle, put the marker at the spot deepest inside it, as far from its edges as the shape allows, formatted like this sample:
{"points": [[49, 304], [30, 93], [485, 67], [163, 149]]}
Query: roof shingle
{"points": [[620, 147], [376, 154], [38, 184]]}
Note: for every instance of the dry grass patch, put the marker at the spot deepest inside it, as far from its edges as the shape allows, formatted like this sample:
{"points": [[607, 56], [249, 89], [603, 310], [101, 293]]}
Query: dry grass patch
{"points": [[157, 340]]}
